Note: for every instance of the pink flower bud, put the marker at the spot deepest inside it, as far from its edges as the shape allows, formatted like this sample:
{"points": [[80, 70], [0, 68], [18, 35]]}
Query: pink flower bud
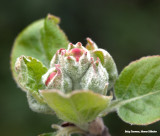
{"points": [[56, 79], [76, 52], [51, 76], [86, 68]]}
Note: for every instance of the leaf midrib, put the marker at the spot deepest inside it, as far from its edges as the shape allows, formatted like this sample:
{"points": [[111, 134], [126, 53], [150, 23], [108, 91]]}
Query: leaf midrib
{"points": [[46, 57], [119, 103], [80, 119], [137, 69]]}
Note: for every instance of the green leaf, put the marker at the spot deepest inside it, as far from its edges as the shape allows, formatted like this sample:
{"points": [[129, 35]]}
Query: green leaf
{"points": [[48, 134], [30, 71], [78, 107], [52, 37], [138, 91], [40, 40]]}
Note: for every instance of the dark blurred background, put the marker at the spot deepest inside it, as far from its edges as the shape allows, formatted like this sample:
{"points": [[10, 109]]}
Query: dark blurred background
{"points": [[128, 29]]}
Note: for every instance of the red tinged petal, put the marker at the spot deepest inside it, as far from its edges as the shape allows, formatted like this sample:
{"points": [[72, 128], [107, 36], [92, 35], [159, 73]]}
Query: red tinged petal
{"points": [[77, 53], [50, 77], [62, 51]]}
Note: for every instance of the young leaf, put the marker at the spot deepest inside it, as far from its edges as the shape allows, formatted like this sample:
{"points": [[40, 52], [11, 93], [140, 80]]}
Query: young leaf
{"points": [[52, 37], [37, 106], [30, 71], [78, 107], [39, 40], [138, 89]]}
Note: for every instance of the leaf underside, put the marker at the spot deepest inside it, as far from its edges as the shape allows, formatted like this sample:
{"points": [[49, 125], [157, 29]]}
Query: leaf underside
{"points": [[32, 72], [138, 87], [78, 107]]}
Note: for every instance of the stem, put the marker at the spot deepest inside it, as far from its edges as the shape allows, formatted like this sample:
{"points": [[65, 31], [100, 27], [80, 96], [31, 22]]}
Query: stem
{"points": [[95, 128], [67, 131], [112, 107], [104, 133], [77, 85]]}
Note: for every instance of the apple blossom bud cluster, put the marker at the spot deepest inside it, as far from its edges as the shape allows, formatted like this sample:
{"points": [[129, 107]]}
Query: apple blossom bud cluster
{"points": [[78, 68]]}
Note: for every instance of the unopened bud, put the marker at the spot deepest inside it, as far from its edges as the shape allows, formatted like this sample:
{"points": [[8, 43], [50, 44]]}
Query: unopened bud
{"points": [[87, 68], [54, 78], [96, 78]]}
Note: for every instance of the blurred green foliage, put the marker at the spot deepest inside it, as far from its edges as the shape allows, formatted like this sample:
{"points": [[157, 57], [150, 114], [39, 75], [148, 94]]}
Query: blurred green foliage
{"points": [[127, 29]]}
